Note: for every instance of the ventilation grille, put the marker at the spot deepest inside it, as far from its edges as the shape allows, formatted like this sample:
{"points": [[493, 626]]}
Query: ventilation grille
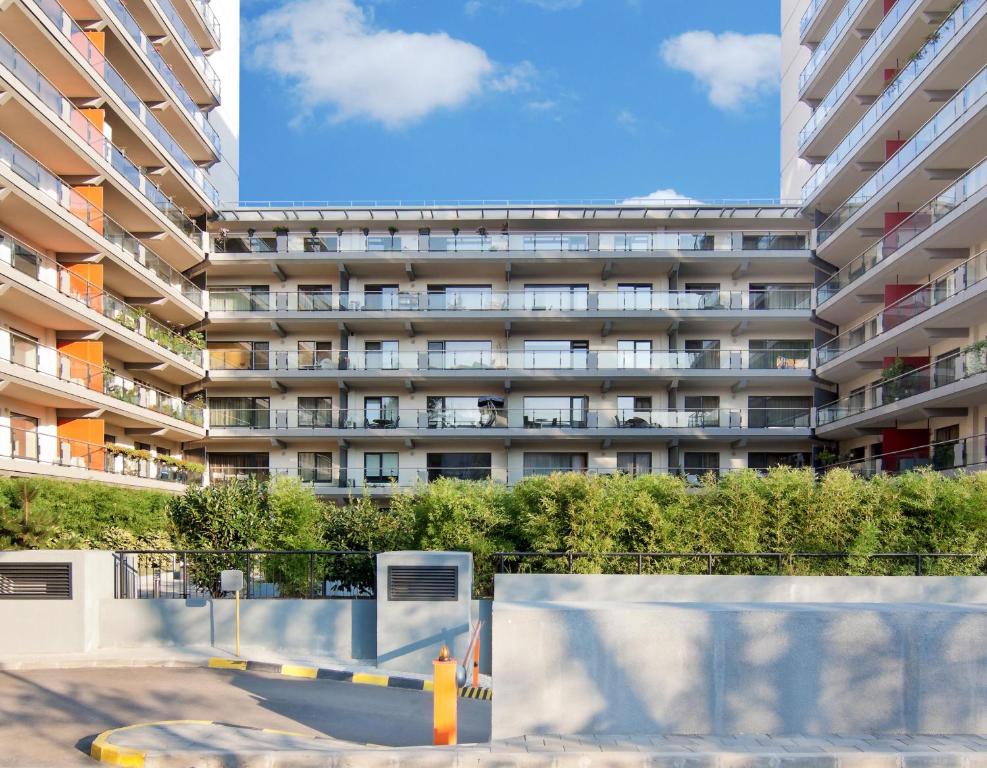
{"points": [[35, 581], [422, 582]]}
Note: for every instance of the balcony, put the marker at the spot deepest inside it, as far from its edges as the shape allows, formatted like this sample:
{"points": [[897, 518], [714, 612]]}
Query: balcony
{"points": [[946, 456], [863, 136], [948, 386], [101, 227], [826, 53], [102, 72], [497, 423], [39, 274], [181, 95], [192, 49], [279, 363], [941, 134], [565, 301], [26, 356], [816, 18], [64, 111], [24, 452], [528, 242], [926, 218], [861, 67], [957, 291]]}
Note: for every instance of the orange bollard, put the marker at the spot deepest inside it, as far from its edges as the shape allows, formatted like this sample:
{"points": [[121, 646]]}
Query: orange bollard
{"points": [[444, 699], [476, 662]]}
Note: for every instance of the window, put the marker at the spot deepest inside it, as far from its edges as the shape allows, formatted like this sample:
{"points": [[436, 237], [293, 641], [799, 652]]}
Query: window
{"points": [[380, 412], [314, 354], [225, 466], [380, 467], [314, 411], [555, 411], [703, 353], [778, 411], [634, 354], [315, 467], [945, 371], [244, 412], [634, 462], [556, 355], [24, 350], [780, 296], [24, 260], [779, 354], [634, 296], [477, 412], [23, 436], [240, 298], [857, 400], [239, 355], [381, 297], [449, 355], [698, 464], [461, 466], [382, 355], [766, 460], [314, 298], [633, 411], [464, 297], [564, 298], [702, 410], [947, 452], [703, 296], [543, 463]]}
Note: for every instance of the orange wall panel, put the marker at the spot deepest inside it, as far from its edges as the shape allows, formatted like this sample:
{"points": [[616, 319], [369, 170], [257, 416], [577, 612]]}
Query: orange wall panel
{"points": [[87, 204], [86, 365], [89, 433]]}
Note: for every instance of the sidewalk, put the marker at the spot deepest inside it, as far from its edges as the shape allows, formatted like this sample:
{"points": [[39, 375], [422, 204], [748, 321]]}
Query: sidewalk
{"points": [[171, 745]]}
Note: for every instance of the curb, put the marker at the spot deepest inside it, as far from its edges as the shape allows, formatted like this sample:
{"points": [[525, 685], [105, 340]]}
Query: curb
{"points": [[343, 676]]}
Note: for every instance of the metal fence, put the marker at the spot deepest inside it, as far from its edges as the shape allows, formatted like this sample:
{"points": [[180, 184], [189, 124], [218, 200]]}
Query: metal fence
{"points": [[745, 563], [181, 574]]}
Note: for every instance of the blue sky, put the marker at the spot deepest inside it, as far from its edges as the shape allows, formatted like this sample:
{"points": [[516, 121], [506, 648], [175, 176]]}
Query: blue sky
{"points": [[523, 99]]}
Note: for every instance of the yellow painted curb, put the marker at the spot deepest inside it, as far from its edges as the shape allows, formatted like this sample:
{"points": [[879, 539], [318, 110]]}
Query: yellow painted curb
{"points": [[291, 670], [220, 663], [126, 757], [364, 678]]}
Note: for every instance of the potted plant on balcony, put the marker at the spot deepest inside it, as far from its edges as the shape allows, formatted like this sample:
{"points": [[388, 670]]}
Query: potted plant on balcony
{"points": [[895, 384], [976, 357]]}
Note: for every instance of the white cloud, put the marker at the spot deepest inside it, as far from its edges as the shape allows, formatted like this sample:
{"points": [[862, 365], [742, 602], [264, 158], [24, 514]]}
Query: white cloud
{"points": [[626, 118], [334, 56], [661, 197], [556, 5], [544, 105], [734, 68]]}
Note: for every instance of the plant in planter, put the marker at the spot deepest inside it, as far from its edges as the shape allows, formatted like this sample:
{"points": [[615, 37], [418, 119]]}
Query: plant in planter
{"points": [[895, 382], [827, 458], [976, 357]]}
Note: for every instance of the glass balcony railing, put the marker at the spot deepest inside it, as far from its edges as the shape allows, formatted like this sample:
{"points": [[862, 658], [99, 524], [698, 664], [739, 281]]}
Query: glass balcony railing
{"points": [[204, 9], [27, 353], [810, 13], [195, 52], [43, 448], [967, 100], [959, 455], [30, 170], [607, 242], [832, 36], [485, 358], [483, 418], [778, 299], [921, 62], [926, 216], [966, 363], [76, 37], [922, 299], [46, 271], [142, 42], [863, 58], [65, 111]]}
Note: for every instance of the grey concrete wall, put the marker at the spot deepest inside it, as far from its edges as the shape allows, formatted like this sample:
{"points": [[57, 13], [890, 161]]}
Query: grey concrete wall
{"points": [[343, 629], [411, 632], [58, 626], [741, 589], [636, 668]]}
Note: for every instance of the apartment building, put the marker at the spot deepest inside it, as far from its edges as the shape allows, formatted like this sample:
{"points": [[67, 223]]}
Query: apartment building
{"points": [[118, 132], [883, 132], [372, 348]]}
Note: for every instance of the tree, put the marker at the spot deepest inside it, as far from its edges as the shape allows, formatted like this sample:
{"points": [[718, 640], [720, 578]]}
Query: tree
{"points": [[20, 527]]}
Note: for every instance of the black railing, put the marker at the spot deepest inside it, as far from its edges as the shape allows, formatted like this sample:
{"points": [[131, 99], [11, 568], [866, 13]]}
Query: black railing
{"points": [[183, 574], [744, 563]]}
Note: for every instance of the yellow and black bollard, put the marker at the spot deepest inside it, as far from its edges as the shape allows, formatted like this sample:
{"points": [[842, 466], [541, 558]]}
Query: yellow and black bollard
{"points": [[445, 697]]}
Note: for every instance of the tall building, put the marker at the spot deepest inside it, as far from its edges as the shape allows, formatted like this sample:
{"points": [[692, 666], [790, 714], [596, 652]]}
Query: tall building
{"points": [[118, 132], [363, 348], [883, 130]]}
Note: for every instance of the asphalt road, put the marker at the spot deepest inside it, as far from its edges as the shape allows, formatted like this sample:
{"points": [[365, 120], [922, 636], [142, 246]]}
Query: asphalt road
{"points": [[49, 717]]}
